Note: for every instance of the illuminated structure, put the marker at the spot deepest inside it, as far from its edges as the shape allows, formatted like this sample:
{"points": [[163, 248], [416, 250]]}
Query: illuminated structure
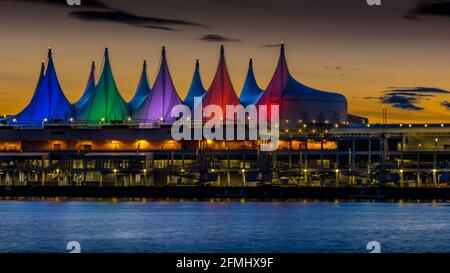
{"points": [[196, 89], [142, 91], [300, 102], [221, 92], [88, 91], [251, 92], [158, 104], [105, 105], [48, 103], [102, 146]]}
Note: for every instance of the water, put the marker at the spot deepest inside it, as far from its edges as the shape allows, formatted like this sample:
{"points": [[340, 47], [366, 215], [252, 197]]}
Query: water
{"points": [[223, 226]]}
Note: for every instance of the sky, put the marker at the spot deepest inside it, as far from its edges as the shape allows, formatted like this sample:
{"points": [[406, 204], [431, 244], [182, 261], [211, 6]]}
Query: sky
{"points": [[396, 55]]}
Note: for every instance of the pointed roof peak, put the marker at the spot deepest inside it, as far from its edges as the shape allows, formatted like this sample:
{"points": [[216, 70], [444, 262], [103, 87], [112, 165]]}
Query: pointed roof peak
{"points": [[163, 52], [222, 50], [250, 62], [197, 63], [144, 66], [106, 52], [93, 65]]}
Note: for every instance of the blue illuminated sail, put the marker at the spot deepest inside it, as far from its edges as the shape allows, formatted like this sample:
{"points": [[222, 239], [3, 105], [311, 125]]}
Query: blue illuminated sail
{"points": [[49, 104], [142, 91], [196, 89], [251, 92], [88, 91]]}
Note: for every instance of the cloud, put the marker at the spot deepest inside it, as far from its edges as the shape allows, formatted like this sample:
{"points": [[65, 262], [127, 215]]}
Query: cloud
{"points": [[218, 38], [85, 3], [402, 102], [429, 8], [416, 90], [407, 98], [272, 45], [446, 104], [123, 17]]}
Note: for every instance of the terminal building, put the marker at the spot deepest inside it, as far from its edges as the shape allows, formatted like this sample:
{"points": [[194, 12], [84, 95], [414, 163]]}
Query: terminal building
{"points": [[103, 140]]}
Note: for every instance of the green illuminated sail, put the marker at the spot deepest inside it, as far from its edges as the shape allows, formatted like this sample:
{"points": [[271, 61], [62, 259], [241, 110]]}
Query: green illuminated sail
{"points": [[106, 105]]}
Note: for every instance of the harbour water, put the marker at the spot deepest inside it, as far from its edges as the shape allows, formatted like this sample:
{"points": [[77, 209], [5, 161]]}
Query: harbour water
{"points": [[44, 226]]}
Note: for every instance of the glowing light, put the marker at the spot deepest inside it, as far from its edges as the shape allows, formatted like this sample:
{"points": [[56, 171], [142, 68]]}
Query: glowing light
{"points": [[434, 170]]}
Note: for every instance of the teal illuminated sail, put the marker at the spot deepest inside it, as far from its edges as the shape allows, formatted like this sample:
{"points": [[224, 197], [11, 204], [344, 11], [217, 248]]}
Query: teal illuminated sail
{"points": [[88, 91], [142, 91]]}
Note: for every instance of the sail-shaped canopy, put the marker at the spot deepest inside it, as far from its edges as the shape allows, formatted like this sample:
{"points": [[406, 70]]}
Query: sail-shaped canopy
{"points": [[279, 80], [251, 92], [88, 91], [221, 91], [196, 89], [49, 104], [142, 91], [106, 105], [297, 101], [158, 105]]}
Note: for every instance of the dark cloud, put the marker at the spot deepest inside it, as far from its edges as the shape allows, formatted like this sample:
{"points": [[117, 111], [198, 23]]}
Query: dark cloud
{"points": [[84, 3], [218, 38], [430, 8], [407, 98], [416, 90], [272, 45], [446, 104], [123, 17], [402, 102]]}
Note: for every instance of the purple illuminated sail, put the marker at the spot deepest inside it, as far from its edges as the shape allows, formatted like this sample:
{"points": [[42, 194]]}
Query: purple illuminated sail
{"points": [[158, 105]]}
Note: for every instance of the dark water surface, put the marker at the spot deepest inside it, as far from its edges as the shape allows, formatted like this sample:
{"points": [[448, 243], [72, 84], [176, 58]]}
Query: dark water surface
{"points": [[40, 226]]}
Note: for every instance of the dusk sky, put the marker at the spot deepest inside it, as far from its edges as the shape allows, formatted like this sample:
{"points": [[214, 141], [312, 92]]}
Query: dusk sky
{"points": [[395, 55]]}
